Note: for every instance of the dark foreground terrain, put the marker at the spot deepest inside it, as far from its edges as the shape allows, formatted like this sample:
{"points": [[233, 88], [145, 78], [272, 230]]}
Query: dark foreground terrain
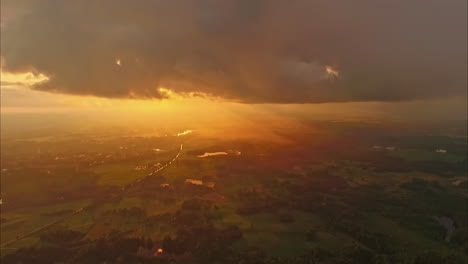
{"points": [[329, 192]]}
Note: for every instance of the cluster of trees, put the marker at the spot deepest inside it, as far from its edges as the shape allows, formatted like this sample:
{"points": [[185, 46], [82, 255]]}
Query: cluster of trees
{"points": [[198, 241], [192, 213], [201, 242], [61, 236], [386, 163], [209, 245], [375, 241], [113, 249], [346, 255], [49, 254], [134, 212], [253, 202]]}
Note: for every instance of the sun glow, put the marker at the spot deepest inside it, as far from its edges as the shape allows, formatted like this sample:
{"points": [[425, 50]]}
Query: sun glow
{"points": [[165, 92], [23, 78], [186, 132], [332, 72]]}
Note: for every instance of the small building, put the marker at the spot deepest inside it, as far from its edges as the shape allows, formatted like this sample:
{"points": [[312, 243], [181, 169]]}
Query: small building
{"points": [[195, 182], [441, 151]]}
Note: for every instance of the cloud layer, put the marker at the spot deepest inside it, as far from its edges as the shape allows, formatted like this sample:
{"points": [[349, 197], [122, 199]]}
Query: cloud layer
{"points": [[254, 51]]}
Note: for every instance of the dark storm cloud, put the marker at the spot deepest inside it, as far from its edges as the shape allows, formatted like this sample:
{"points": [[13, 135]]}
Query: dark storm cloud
{"points": [[247, 50]]}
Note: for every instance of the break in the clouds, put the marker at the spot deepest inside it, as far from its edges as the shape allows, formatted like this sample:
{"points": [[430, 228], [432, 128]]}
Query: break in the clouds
{"points": [[275, 51]]}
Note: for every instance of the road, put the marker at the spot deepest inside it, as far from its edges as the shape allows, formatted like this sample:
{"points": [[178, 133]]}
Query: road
{"points": [[3, 246], [160, 168], [37, 230]]}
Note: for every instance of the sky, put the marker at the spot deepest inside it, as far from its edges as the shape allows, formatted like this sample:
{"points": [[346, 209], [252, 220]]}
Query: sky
{"points": [[363, 57]]}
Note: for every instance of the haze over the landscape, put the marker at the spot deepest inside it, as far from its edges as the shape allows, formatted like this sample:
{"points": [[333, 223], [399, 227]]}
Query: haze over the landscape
{"points": [[233, 131]]}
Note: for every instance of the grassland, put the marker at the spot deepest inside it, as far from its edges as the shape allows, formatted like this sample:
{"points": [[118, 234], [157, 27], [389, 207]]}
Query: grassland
{"points": [[284, 200]]}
